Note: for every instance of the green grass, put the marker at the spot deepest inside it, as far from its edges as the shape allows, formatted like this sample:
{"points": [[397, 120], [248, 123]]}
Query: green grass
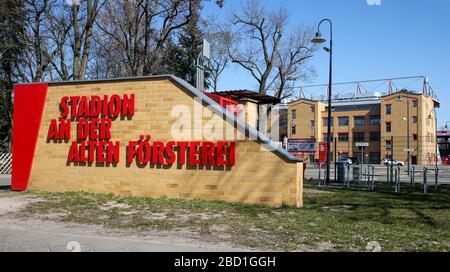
{"points": [[332, 219]]}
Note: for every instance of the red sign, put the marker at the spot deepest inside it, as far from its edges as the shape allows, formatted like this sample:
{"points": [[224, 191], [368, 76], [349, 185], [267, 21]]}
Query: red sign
{"points": [[323, 147], [94, 118]]}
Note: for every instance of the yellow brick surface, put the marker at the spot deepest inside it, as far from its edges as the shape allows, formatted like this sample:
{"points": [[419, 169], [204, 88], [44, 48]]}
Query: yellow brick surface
{"points": [[258, 177]]}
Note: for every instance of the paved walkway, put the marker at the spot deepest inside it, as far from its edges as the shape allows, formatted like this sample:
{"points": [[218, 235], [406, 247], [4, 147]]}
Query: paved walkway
{"points": [[20, 233]]}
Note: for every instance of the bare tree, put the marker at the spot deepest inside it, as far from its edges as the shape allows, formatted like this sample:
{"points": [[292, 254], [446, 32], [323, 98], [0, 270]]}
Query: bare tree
{"points": [[173, 15], [38, 47], [82, 25], [259, 35], [220, 40], [138, 30], [273, 57], [292, 59], [58, 38]]}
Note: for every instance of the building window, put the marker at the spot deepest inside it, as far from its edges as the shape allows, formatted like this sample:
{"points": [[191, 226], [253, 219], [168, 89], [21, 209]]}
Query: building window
{"points": [[294, 114], [359, 121], [415, 119], [325, 137], [343, 121], [293, 130], [358, 137], [414, 103], [343, 137], [388, 109], [388, 126], [312, 109], [375, 120], [312, 124], [375, 157], [325, 121], [375, 136], [414, 137]]}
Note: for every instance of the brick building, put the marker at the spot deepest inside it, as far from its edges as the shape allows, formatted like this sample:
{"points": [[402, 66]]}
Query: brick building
{"points": [[391, 125]]}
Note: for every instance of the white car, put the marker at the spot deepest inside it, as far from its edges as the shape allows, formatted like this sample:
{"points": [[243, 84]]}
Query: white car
{"points": [[347, 161], [389, 162]]}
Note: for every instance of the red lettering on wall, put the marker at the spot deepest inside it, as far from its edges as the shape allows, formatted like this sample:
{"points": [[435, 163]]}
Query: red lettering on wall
{"points": [[64, 129], [74, 104], [64, 107], [74, 155], [52, 130], [93, 130], [221, 153], [208, 153], [171, 157], [182, 151], [131, 151], [157, 154], [113, 152], [83, 110], [128, 105], [193, 153]]}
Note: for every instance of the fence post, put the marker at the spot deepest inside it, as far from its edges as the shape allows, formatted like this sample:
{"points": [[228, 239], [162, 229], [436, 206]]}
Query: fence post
{"points": [[425, 185], [348, 176], [388, 173], [396, 180], [436, 178], [373, 178], [320, 169], [368, 174]]}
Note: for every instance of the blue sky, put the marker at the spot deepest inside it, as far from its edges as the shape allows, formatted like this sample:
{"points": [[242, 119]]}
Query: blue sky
{"points": [[398, 38]]}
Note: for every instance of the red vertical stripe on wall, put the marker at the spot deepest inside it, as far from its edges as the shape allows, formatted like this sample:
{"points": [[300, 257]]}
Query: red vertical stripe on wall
{"points": [[29, 101]]}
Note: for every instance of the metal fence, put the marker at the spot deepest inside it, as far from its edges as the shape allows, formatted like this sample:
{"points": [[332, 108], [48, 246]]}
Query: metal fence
{"points": [[367, 177], [5, 163]]}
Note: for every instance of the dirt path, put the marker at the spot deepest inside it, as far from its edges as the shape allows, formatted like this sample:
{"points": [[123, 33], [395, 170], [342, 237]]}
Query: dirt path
{"points": [[19, 233]]}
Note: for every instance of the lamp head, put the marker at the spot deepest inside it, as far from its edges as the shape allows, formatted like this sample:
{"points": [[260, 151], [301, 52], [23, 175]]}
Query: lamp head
{"points": [[318, 38]]}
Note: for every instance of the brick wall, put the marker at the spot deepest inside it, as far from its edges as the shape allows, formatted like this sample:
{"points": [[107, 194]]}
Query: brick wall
{"points": [[258, 177]]}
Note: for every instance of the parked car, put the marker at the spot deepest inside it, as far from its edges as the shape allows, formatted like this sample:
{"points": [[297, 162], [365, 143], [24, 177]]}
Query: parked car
{"points": [[389, 162], [347, 161], [355, 160]]}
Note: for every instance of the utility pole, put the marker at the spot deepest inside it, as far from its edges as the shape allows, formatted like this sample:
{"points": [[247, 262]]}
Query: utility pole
{"points": [[407, 128], [391, 166], [318, 39], [205, 53]]}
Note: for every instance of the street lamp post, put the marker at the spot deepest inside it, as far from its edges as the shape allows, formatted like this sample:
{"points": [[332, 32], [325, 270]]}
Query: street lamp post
{"points": [[446, 125], [436, 145], [318, 39]]}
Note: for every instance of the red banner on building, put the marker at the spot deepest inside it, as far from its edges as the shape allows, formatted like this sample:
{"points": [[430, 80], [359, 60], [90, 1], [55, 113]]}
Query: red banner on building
{"points": [[323, 152]]}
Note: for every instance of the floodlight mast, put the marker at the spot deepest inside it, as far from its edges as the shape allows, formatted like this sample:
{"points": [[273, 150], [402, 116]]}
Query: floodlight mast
{"points": [[200, 69]]}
